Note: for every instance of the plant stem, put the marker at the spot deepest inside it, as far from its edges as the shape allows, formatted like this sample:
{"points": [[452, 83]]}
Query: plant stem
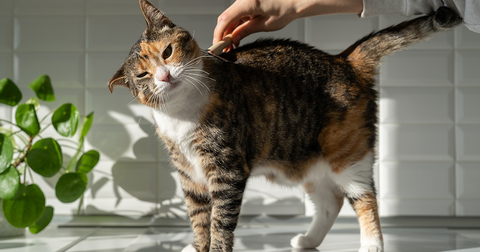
{"points": [[80, 204], [30, 173], [7, 121], [22, 159], [43, 119]]}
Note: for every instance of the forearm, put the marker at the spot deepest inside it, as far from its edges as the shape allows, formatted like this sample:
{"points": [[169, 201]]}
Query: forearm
{"points": [[308, 8]]}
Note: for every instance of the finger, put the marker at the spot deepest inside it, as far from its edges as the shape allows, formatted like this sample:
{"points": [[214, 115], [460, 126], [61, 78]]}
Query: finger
{"points": [[234, 13], [247, 28]]}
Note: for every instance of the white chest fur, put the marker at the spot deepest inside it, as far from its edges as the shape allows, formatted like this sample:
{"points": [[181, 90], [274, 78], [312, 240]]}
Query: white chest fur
{"points": [[178, 122]]}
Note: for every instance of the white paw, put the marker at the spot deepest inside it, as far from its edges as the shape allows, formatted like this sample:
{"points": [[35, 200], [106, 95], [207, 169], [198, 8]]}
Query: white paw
{"points": [[302, 241], [371, 248], [189, 248]]}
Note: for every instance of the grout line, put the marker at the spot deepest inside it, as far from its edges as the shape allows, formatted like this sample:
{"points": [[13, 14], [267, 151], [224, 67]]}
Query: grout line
{"points": [[69, 246], [455, 119]]}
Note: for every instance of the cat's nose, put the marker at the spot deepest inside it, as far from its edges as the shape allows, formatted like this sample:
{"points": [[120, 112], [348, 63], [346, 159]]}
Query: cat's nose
{"points": [[163, 75]]}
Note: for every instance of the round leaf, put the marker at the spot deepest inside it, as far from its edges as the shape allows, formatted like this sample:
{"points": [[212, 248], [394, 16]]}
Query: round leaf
{"points": [[43, 88], [6, 152], [45, 157], [87, 123], [87, 161], [65, 119], [9, 183], [27, 120], [43, 222], [9, 92], [71, 186], [26, 207], [35, 102]]}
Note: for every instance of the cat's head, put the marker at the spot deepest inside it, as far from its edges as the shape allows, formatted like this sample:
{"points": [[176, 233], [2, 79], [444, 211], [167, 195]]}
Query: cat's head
{"points": [[164, 61]]}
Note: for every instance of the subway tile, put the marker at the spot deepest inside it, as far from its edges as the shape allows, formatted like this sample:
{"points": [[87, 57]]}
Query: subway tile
{"points": [[102, 66], [337, 32], [65, 69], [6, 40], [192, 6], [49, 7], [119, 142], [418, 68], [466, 68], [410, 142], [118, 108], [49, 33], [417, 105], [6, 8], [124, 179], [123, 32], [466, 39], [440, 40], [119, 207], [467, 184], [6, 66], [112, 7], [467, 104], [168, 183], [416, 207], [468, 142], [466, 207], [417, 180]]}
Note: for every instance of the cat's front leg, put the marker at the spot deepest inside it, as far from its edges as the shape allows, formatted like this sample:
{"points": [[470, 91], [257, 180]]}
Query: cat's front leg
{"points": [[226, 189], [199, 209]]}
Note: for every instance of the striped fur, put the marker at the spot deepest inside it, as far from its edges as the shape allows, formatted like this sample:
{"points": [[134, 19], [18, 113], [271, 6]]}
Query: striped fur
{"points": [[281, 109]]}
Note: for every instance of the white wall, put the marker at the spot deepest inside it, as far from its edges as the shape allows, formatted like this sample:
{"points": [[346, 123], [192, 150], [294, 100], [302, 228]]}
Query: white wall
{"points": [[429, 154]]}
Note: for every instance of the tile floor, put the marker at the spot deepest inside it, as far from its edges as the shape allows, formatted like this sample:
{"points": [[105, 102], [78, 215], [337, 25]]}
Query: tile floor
{"points": [[253, 234]]}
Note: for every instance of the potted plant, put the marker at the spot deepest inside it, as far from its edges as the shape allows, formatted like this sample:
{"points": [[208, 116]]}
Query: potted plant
{"points": [[23, 150]]}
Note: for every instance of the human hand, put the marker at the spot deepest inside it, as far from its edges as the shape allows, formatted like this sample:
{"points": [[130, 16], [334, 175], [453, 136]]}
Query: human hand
{"points": [[245, 17]]}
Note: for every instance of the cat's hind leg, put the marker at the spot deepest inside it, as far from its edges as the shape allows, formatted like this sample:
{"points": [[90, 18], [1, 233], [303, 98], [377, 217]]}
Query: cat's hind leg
{"points": [[357, 183], [327, 200]]}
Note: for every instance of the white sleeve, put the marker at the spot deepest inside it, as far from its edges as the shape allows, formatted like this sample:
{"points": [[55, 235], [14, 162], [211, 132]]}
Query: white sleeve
{"points": [[468, 9]]}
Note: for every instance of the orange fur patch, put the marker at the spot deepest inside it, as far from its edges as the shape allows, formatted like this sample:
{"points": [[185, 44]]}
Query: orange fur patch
{"points": [[343, 141], [367, 212]]}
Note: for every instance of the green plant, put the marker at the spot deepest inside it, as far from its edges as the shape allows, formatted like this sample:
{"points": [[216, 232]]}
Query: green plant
{"points": [[23, 149]]}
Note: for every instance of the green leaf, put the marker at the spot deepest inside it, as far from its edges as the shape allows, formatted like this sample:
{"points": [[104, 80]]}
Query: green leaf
{"points": [[43, 88], [43, 222], [87, 123], [27, 120], [71, 186], [35, 102], [45, 157], [87, 161], [26, 207], [65, 119], [6, 152], [9, 92], [9, 183]]}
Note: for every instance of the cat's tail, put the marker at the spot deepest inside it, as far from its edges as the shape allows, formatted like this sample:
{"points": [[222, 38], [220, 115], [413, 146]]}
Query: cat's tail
{"points": [[366, 53]]}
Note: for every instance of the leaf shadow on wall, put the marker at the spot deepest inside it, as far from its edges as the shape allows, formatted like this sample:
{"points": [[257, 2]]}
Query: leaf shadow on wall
{"points": [[145, 177]]}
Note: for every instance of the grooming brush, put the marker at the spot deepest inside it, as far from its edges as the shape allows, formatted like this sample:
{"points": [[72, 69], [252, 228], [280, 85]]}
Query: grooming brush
{"points": [[218, 48]]}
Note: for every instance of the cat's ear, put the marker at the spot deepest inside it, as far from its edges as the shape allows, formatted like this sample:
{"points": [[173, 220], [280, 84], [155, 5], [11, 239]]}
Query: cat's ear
{"points": [[119, 78], [153, 16]]}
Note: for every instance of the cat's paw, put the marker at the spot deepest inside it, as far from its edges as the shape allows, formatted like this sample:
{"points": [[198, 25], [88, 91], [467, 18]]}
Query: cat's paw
{"points": [[303, 241], [189, 248], [371, 248]]}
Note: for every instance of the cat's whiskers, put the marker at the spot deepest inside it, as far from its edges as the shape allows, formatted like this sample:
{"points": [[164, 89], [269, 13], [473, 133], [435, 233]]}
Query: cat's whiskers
{"points": [[193, 85], [198, 81]]}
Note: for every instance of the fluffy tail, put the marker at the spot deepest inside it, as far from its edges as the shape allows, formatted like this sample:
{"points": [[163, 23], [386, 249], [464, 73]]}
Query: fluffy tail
{"points": [[366, 53]]}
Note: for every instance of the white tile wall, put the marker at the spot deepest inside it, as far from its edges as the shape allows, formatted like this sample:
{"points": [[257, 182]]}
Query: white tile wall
{"points": [[429, 159]]}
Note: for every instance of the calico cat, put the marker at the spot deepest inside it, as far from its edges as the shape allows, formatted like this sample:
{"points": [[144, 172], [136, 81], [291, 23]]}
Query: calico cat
{"points": [[279, 108]]}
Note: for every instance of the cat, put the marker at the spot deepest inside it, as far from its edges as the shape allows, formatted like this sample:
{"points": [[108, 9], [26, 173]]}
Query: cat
{"points": [[277, 108]]}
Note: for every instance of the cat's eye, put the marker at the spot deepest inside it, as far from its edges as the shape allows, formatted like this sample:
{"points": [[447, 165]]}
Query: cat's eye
{"points": [[167, 52], [142, 75]]}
